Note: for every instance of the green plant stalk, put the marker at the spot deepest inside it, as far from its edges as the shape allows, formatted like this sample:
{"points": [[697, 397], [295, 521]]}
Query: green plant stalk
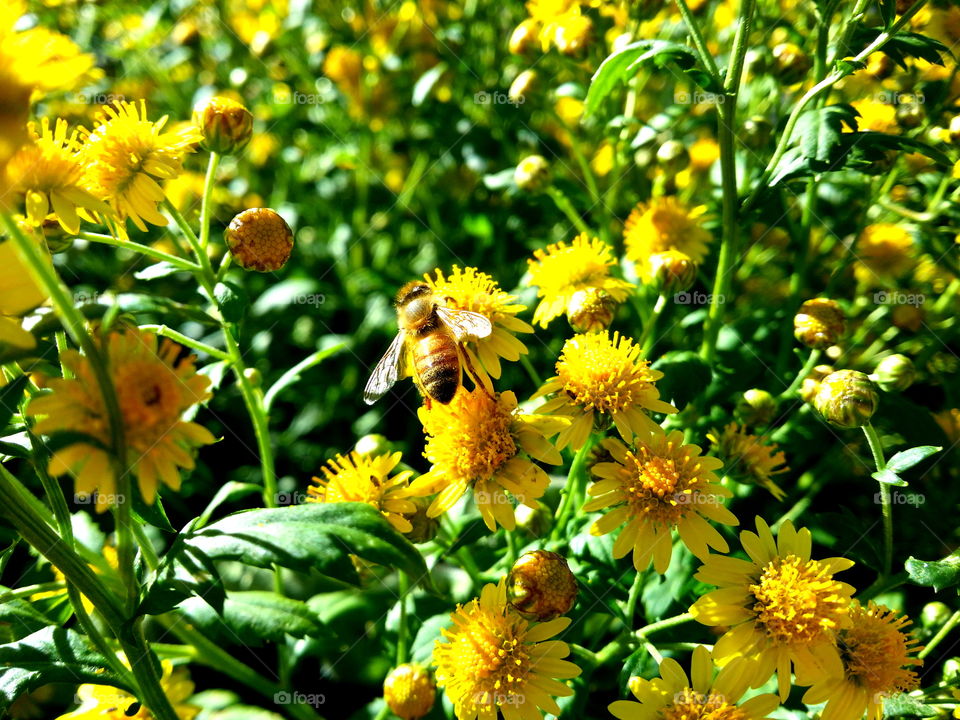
{"points": [[189, 342], [634, 597], [146, 250], [206, 204], [811, 362], [576, 478], [665, 624], [726, 119], [698, 42], [205, 276], [403, 588], [947, 628], [876, 448], [647, 339], [566, 207]]}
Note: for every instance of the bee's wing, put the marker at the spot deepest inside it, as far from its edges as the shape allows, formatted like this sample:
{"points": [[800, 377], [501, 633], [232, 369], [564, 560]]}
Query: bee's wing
{"points": [[386, 373], [464, 324]]}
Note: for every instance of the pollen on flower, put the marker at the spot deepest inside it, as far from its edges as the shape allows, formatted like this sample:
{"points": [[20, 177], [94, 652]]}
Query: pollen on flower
{"points": [[876, 650], [689, 704]]}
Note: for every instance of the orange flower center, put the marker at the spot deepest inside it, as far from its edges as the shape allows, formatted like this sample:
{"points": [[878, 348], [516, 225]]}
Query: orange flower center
{"points": [[150, 399], [692, 705]]}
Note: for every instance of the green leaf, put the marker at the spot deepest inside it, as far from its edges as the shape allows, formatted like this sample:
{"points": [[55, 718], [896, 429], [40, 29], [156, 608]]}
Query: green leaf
{"points": [[182, 574], [888, 11], [10, 396], [903, 45], [51, 655], [232, 300], [819, 132], [229, 491], [938, 574], [23, 616], [685, 376], [421, 650], [888, 477], [157, 270], [152, 514], [622, 65], [903, 705], [253, 616], [906, 459]]}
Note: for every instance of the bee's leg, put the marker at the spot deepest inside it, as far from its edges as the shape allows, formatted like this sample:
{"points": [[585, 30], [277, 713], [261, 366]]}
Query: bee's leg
{"points": [[480, 381]]}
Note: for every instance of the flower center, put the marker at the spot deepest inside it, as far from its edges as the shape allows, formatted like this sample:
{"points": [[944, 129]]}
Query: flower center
{"points": [[491, 653], [692, 705], [797, 601], [603, 377], [471, 436], [149, 397], [874, 654], [655, 487]]}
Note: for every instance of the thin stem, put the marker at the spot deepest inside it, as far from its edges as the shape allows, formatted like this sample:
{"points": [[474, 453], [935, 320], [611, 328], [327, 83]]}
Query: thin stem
{"points": [[141, 249], [206, 206], [576, 477], [663, 624], [811, 362], [403, 587], [876, 447], [647, 339], [941, 634], [698, 42], [634, 597], [189, 342], [566, 207], [205, 276]]}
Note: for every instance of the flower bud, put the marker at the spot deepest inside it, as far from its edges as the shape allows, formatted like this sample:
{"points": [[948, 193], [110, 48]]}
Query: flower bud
{"points": [[372, 445], [591, 310], [540, 586], [524, 37], [819, 323], [934, 615], [847, 399], [522, 86], [532, 174], [409, 691], [755, 407], [424, 526], [672, 271], [811, 383], [895, 373], [673, 157], [790, 63], [226, 125], [253, 376], [756, 132], [534, 521], [259, 239], [910, 115], [951, 670]]}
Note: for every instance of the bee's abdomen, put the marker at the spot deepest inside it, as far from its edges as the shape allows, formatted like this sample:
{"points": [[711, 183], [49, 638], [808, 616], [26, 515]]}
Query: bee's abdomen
{"points": [[438, 366]]}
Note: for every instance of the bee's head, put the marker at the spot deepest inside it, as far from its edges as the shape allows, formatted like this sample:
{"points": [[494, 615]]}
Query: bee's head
{"points": [[415, 301], [412, 291]]}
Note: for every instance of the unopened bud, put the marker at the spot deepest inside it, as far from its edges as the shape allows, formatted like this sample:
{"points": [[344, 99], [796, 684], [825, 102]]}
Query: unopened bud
{"points": [[424, 527], [951, 670], [895, 373], [910, 115], [672, 271], [755, 407], [226, 125], [790, 63], [934, 616], [259, 239], [847, 399], [532, 173], [819, 323], [372, 445], [540, 586], [591, 310], [409, 691]]}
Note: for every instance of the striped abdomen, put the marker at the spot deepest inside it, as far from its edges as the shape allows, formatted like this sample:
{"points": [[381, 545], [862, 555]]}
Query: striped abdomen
{"points": [[437, 364]]}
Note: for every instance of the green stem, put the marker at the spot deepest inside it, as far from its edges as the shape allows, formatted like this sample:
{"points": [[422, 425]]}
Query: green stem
{"points": [[403, 587], [187, 341], [576, 478], [150, 556], [663, 625], [566, 207], [804, 371], [634, 597], [141, 249], [876, 447], [205, 276], [531, 370], [698, 42], [206, 206], [941, 634], [647, 339]]}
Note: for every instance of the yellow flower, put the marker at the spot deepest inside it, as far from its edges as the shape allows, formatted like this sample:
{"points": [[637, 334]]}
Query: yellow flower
{"points": [[343, 65], [492, 659], [749, 458], [703, 154], [561, 270], [103, 702], [153, 387], [366, 479], [884, 252], [875, 116], [782, 608], [661, 485], [18, 296], [477, 441], [48, 173], [674, 696], [664, 224], [876, 664], [470, 289], [601, 378], [409, 691], [127, 158]]}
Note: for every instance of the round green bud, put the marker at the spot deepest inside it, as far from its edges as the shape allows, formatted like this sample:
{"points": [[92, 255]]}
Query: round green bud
{"points": [[755, 407], [227, 126], [934, 615], [847, 399], [895, 373], [540, 586], [819, 323]]}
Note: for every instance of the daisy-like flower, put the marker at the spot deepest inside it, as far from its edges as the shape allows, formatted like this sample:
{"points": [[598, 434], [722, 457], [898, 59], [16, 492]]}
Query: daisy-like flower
{"points": [[664, 224], [661, 485], [600, 378], [479, 442], [492, 658], [884, 252], [18, 296], [749, 458], [561, 270], [470, 289], [366, 479], [876, 652], [154, 387], [127, 157], [783, 609], [674, 696], [104, 702], [48, 174]]}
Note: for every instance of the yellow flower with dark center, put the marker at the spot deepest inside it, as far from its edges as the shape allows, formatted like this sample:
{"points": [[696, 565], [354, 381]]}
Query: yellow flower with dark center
{"points": [[884, 252], [19, 294], [561, 270], [705, 694], [782, 608], [661, 485], [154, 387], [492, 659], [601, 378], [478, 441], [749, 458], [470, 289], [48, 173], [366, 479], [876, 652], [127, 157], [104, 702], [664, 224]]}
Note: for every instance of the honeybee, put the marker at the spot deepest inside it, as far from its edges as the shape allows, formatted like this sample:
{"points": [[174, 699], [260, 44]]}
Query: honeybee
{"points": [[427, 346]]}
